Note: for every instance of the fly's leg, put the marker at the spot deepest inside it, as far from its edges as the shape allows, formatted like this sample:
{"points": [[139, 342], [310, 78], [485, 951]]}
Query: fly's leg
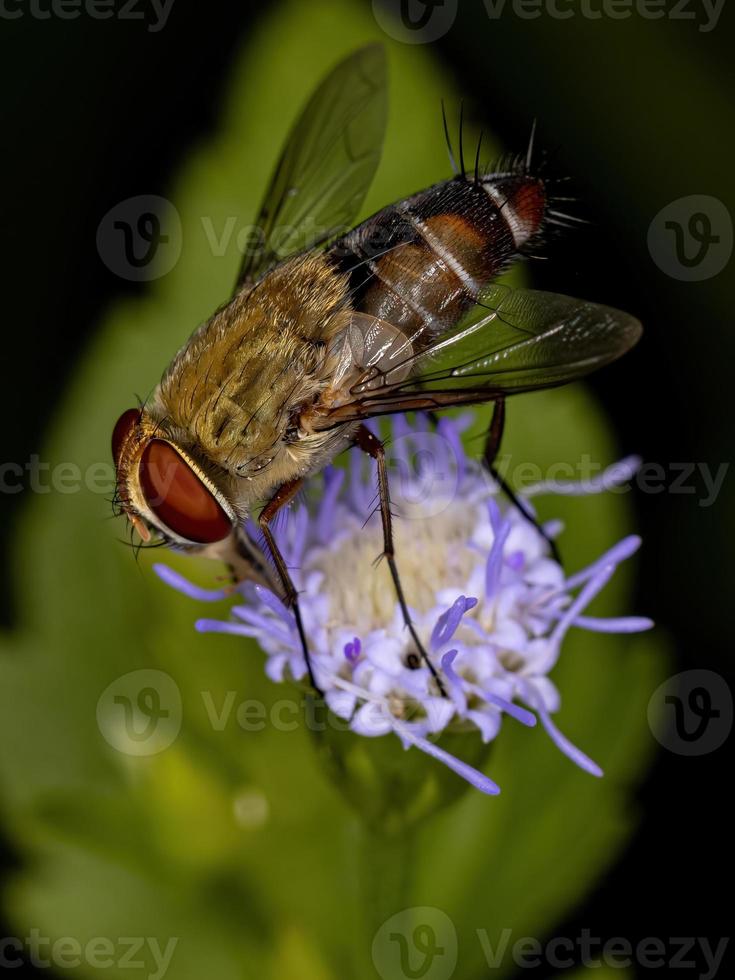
{"points": [[281, 498], [370, 444], [492, 447]]}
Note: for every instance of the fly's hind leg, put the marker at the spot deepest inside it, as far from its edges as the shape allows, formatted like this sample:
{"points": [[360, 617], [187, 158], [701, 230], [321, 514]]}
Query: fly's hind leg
{"points": [[281, 498], [490, 454], [370, 444]]}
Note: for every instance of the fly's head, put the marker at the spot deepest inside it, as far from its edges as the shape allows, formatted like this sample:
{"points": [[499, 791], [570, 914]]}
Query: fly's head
{"points": [[162, 489]]}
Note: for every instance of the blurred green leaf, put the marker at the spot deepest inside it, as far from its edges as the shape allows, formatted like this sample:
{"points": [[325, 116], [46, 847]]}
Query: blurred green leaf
{"points": [[232, 840]]}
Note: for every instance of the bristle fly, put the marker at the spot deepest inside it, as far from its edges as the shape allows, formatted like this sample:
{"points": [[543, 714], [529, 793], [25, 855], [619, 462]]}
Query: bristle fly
{"points": [[529, 151], [477, 159], [448, 140], [461, 145]]}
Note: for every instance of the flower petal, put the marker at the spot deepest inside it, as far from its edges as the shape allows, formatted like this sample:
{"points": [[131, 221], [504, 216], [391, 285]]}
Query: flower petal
{"points": [[181, 584], [446, 625], [478, 779]]}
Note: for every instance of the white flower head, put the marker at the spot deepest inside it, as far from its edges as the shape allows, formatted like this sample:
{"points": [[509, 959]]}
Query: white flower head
{"points": [[489, 603]]}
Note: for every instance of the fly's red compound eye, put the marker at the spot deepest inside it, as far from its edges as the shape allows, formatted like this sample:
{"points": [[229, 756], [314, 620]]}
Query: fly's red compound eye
{"points": [[178, 498], [124, 425]]}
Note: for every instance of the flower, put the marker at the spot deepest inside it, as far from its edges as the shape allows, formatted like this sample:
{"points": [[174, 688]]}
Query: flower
{"points": [[490, 604]]}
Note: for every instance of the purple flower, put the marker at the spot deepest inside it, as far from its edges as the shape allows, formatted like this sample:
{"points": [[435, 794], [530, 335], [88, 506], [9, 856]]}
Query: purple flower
{"points": [[491, 606]]}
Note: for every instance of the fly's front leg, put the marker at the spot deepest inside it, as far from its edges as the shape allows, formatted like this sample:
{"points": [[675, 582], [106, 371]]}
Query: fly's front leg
{"points": [[281, 498], [370, 444], [492, 448]]}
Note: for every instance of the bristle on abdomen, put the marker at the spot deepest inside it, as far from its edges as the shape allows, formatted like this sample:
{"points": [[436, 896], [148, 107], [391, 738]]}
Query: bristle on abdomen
{"points": [[423, 262]]}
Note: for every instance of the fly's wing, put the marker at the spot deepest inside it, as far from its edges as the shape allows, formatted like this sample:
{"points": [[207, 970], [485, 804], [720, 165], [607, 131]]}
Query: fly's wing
{"points": [[326, 166], [515, 340]]}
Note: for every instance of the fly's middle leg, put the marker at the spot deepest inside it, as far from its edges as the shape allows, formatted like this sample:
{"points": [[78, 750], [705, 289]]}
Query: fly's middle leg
{"points": [[370, 444], [490, 454]]}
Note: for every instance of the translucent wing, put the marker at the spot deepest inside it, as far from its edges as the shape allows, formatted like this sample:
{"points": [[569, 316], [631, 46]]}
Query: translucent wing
{"points": [[326, 166], [516, 340]]}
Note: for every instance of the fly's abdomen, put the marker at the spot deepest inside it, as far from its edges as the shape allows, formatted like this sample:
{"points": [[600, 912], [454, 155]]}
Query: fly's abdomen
{"points": [[421, 263]]}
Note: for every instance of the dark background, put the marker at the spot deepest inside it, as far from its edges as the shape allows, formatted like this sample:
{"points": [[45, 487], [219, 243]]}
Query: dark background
{"points": [[95, 112]]}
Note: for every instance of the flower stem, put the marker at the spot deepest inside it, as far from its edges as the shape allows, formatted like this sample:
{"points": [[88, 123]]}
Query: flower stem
{"points": [[386, 876]]}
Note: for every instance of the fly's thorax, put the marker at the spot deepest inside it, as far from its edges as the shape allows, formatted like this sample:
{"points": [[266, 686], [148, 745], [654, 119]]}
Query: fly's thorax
{"points": [[300, 456], [246, 477], [234, 389]]}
